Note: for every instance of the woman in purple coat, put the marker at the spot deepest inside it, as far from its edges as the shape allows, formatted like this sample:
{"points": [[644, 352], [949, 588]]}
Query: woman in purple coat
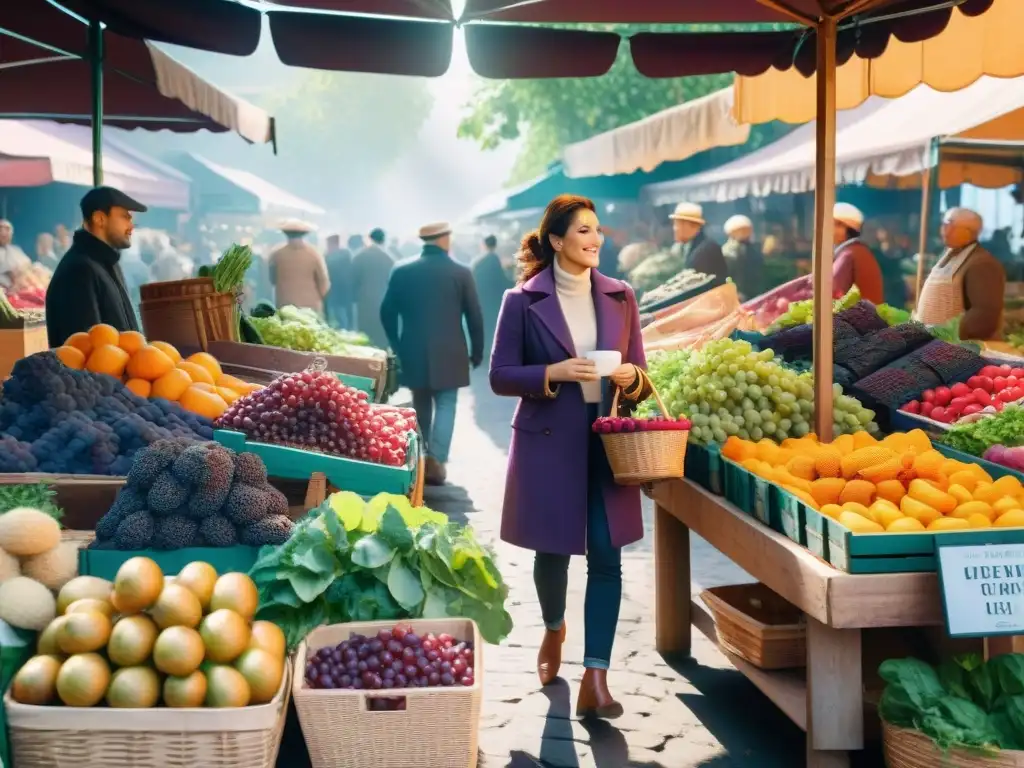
{"points": [[560, 496]]}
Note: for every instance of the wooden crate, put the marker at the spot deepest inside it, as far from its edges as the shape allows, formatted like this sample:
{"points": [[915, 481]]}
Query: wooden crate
{"points": [[16, 343], [84, 498]]}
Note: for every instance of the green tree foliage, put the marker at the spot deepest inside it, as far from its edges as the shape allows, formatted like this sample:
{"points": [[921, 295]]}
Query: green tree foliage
{"points": [[335, 127], [548, 114]]}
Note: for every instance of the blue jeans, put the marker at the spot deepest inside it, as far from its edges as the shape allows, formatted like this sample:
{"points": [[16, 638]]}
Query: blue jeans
{"points": [[604, 571], [435, 412]]}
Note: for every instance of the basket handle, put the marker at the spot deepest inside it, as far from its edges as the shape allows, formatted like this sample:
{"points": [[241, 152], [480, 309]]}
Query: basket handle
{"points": [[654, 392]]}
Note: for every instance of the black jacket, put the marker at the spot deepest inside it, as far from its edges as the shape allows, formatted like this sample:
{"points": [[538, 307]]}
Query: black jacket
{"points": [[705, 255], [87, 288], [429, 297]]}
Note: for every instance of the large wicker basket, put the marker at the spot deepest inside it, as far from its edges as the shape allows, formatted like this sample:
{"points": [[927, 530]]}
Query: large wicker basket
{"points": [[438, 728], [904, 748], [190, 321], [643, 457], [756, 624], [63, 737]]}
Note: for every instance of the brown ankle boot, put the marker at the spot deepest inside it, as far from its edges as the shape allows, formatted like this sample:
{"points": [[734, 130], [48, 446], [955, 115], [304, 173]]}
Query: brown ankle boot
{"points": [[549, 657], [594, 700], [434, 472]]}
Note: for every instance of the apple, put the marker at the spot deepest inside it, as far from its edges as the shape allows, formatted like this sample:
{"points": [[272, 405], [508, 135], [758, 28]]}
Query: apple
{"points": [[1018, 372], [959, 403], [944, 394], [927, 408], [999, 383], [986, 383], [990, 370], [1017, 392], [959, 389], [914, 406], [939, 414], [972, 408], [928, 396], [1006, 396]]}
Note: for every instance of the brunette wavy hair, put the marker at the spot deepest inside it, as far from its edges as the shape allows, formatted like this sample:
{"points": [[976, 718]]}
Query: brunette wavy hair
{"points": [[536, 252]]}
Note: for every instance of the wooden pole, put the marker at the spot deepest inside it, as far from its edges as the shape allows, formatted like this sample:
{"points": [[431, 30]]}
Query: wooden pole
{"points": [[926, 206], [824, 200]]}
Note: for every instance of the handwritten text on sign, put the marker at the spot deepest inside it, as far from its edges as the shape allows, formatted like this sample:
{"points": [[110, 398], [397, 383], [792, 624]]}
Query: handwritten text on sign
{"points": [[983, 589]]}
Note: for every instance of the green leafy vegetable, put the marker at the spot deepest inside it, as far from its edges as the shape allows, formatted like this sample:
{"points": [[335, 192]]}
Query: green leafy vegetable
{"points": [[966, 702], [1004, 428], [302, 330], [352, 560], [39, 496]]}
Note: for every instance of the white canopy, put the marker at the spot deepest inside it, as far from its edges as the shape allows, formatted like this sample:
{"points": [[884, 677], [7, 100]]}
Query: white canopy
{"points": [[34, 153], [875, 142], [272, 199], [673, 134]]}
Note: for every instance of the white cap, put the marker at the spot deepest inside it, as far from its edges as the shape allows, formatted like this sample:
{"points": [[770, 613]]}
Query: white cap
{"points": [[297, 226], [435, 230], [739, 221], [688, 212], [850, 215]]}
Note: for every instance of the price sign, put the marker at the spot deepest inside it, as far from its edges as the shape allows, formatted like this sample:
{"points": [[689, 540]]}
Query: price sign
{"points": [[983, 589]]}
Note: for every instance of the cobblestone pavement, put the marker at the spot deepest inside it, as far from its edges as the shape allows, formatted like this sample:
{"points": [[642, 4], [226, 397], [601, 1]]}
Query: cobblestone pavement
{"points": [[697, 713]]}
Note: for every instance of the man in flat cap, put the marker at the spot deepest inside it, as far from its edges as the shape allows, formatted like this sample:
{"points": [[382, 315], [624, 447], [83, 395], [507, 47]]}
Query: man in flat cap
{"points": [[422, 313], [88, 285]]}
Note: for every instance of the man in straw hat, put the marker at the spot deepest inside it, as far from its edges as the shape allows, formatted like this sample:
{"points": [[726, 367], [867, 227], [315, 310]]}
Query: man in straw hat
{"points": [[422, 313], [853, 263], [742, 256], [297, 270], [699, 251]]}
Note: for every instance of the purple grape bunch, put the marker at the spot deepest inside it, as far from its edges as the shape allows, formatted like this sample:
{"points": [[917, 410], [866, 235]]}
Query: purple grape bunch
{"points": [[393, 659]]}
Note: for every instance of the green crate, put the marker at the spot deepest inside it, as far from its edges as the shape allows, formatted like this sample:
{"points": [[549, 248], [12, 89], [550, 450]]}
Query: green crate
{"points": [[738, 486], [891, 552], [362, 383], [704, 466], [362, 477], [104, 563], [792, 516]]}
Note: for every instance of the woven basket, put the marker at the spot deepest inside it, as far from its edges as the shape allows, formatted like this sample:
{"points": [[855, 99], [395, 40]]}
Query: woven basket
{"points": [[437, 729], [754, 623], [175, 289], [643, 457], [191, 321], [904, 748], [63, 737]]}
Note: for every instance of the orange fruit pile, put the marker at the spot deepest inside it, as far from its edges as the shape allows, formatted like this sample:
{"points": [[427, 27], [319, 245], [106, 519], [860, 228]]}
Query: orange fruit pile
{"points": [[154, 369]]}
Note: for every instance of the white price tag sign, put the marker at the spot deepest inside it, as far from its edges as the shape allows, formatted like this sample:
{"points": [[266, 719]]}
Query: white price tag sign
{"points": [[983, 589]]}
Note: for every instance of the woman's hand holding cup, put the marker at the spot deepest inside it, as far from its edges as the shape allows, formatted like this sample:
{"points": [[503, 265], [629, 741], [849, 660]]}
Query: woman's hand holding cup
{"points": [[576, 369]]}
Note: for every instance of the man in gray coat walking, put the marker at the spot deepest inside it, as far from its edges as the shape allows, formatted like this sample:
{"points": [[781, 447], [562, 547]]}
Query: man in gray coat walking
{"points": [[371, 268], [423, 310]]}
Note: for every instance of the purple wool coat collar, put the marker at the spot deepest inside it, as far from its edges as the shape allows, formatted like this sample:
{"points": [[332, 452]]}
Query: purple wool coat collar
{"points": [[546, 487]]}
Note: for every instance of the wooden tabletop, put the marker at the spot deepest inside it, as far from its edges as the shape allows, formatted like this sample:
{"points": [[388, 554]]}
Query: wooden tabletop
{"points": [[837, 599]]}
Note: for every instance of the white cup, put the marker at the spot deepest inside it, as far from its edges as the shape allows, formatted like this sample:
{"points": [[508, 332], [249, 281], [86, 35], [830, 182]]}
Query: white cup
{"points": [[605, 360]]}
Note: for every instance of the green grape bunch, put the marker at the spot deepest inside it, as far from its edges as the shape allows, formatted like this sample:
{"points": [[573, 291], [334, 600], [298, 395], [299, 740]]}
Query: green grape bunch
{"points": [[729, 388]]}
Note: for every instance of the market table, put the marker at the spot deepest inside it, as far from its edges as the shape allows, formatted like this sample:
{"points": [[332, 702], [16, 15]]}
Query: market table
{"points": [[826, 700]]}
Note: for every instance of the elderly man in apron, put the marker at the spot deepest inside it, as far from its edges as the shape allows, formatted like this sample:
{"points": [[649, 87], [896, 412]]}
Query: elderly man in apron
{"points": [[967, 282]]}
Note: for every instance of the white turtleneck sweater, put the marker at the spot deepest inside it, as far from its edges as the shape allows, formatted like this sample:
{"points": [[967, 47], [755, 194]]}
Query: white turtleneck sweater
{"points": [[577, 304]]}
